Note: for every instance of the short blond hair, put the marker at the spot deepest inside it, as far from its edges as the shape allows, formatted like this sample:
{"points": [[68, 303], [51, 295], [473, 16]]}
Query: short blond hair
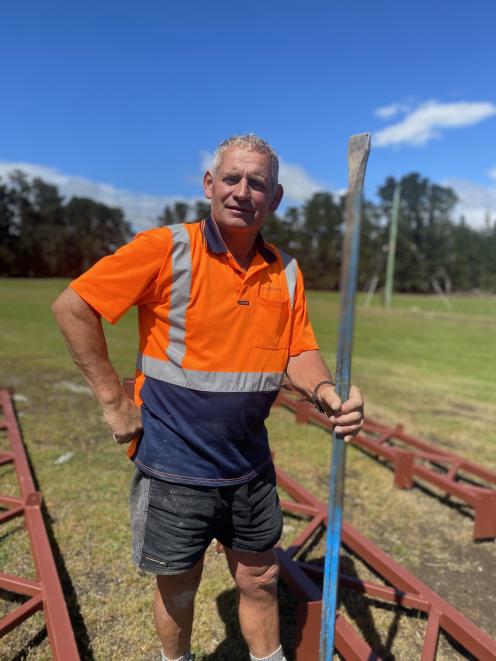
{"points": [[249, 141]]}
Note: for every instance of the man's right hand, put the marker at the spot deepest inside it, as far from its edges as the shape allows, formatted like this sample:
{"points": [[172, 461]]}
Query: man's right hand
{"points": [[123, 419]]}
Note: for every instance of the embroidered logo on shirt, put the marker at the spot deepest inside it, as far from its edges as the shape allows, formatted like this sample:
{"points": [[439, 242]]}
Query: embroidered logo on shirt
{"points": [[269, 291]]}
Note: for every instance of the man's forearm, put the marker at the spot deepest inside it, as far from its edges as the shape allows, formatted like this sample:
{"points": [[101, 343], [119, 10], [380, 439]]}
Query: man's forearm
{"points": [[82, 329], [306, 370]]}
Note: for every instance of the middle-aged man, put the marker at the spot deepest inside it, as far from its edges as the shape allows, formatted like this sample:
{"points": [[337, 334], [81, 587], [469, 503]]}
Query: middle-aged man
{"points": [[222, 317]]}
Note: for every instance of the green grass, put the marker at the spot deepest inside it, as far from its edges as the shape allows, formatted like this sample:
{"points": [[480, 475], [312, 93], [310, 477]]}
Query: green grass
{"points": [[422, 365], [417, 364]]}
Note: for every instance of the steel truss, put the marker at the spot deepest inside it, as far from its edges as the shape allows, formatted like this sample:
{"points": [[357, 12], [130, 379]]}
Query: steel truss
{"points": [[402, 589], [413, 457], [45, 593]]}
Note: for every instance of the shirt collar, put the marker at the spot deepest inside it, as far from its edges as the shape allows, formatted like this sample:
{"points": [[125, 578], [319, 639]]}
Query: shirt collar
{"points": [[216, 245]]}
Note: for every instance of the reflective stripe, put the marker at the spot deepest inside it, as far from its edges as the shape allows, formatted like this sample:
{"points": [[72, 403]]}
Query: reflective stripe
{"points": [[291, 273], [171, 371], [209, 381], [180, 292]]}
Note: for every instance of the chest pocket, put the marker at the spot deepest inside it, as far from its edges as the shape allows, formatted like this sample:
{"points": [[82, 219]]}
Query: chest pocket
{"points": [[271, 324]]}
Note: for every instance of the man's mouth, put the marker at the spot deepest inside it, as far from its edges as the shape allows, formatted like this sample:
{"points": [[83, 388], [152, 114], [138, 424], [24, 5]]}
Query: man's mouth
{"points": [[240, 209]]}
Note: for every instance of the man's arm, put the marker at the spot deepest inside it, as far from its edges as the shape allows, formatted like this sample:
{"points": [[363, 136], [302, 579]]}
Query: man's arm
{"points": [[307, 370], [83, 332]]}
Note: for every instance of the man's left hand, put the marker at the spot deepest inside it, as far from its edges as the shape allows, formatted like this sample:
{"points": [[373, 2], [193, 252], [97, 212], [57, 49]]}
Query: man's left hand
{"points": [[346, 418]]}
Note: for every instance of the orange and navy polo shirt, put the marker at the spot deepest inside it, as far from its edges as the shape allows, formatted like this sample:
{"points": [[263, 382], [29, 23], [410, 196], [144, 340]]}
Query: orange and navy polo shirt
{"points": [[214, 342]]}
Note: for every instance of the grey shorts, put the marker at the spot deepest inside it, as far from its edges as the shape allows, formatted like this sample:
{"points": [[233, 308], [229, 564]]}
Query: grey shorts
{"points": [[173, 524]]}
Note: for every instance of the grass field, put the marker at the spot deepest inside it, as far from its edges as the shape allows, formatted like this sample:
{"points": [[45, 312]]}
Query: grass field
{"points": [[417, 364]]}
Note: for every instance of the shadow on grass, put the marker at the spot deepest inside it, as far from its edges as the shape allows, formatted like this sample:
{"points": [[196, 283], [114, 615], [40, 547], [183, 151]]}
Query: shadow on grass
{"points": [[233, 646], [11, 532], [34, 641]]}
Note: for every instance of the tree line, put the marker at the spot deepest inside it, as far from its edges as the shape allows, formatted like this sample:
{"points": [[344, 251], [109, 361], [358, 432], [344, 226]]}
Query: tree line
{"points": [[43, 235]]}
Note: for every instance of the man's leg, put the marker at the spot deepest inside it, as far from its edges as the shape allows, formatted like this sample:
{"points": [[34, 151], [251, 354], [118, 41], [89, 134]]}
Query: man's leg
{"points": [[171, 526], [173, 609], [256, 576]]}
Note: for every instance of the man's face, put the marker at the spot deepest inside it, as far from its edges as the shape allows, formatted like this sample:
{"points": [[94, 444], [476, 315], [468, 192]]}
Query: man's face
{"points": [[241, 191]]}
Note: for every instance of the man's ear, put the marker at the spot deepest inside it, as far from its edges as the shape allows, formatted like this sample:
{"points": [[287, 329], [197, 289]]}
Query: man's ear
{"points": [[207, 185], [276, 200]]}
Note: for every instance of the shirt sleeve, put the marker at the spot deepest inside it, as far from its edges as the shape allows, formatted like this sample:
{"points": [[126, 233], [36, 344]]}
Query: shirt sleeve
{"points": [[134, 275], [302, 335]]}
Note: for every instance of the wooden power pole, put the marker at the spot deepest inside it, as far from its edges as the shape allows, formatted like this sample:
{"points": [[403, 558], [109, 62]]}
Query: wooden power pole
{"points": [[393, 233]]}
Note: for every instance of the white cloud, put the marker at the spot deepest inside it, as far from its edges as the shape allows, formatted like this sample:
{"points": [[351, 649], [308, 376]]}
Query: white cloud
{"points": [[297, 183], [386, 112], [492, 173], [428, 119], [207, 159], [476, 201], [141, 210]]}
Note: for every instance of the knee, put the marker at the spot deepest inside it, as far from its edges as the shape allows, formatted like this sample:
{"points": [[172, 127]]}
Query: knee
{"points": [[183, 600], [257, 581], [176, 595]]}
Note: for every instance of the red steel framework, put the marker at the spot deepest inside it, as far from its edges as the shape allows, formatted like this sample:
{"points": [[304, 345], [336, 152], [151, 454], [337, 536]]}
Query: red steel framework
{"points": [[45, 593], [413, 457], [402, 589]]}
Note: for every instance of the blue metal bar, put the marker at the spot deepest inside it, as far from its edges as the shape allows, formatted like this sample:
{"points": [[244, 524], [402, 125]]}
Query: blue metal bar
{"points": [[358, 152]]}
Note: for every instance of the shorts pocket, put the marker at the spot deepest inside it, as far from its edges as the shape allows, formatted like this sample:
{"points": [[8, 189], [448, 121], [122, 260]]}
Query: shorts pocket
{"points": [[175, 499], [271, 323]]}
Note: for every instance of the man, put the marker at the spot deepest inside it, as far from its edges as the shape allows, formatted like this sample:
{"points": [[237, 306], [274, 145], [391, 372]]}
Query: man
{"points": [[222, 317]]}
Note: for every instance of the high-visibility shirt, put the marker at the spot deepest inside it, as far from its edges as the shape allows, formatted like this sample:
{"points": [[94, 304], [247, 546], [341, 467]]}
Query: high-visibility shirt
{"points": [[214, 342]]}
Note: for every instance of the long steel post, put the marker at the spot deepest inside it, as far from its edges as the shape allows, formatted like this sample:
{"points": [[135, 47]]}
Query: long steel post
{"points": [[393, 232], [358, 152]]}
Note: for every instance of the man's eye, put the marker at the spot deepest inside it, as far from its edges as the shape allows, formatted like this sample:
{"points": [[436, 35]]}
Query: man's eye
{"points": [[231, 180], [256, 184]]}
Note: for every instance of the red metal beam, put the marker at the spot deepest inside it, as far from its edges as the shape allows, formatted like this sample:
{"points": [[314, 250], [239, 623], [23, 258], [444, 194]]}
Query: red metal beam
{"points": [[308, 617], [46, 591], [17, 616], [431, 636], [413, 457], [20, 585], [405, 599], [404, 589]]}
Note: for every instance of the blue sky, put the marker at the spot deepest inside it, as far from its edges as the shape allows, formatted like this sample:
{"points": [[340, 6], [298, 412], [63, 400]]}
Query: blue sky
{"points": [[125, 101]]}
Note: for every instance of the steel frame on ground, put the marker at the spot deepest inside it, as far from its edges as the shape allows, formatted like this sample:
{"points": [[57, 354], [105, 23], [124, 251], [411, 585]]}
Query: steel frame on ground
{"points": [[45, 592], [413, 457], [402, 589]]}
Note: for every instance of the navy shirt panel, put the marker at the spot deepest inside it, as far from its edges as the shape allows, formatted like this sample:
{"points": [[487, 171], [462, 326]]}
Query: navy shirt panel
{"points": [[204, 438]]}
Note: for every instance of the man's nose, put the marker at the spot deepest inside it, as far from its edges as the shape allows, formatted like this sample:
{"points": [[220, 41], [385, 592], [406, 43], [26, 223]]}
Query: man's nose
{"points": [[242, 189]]}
